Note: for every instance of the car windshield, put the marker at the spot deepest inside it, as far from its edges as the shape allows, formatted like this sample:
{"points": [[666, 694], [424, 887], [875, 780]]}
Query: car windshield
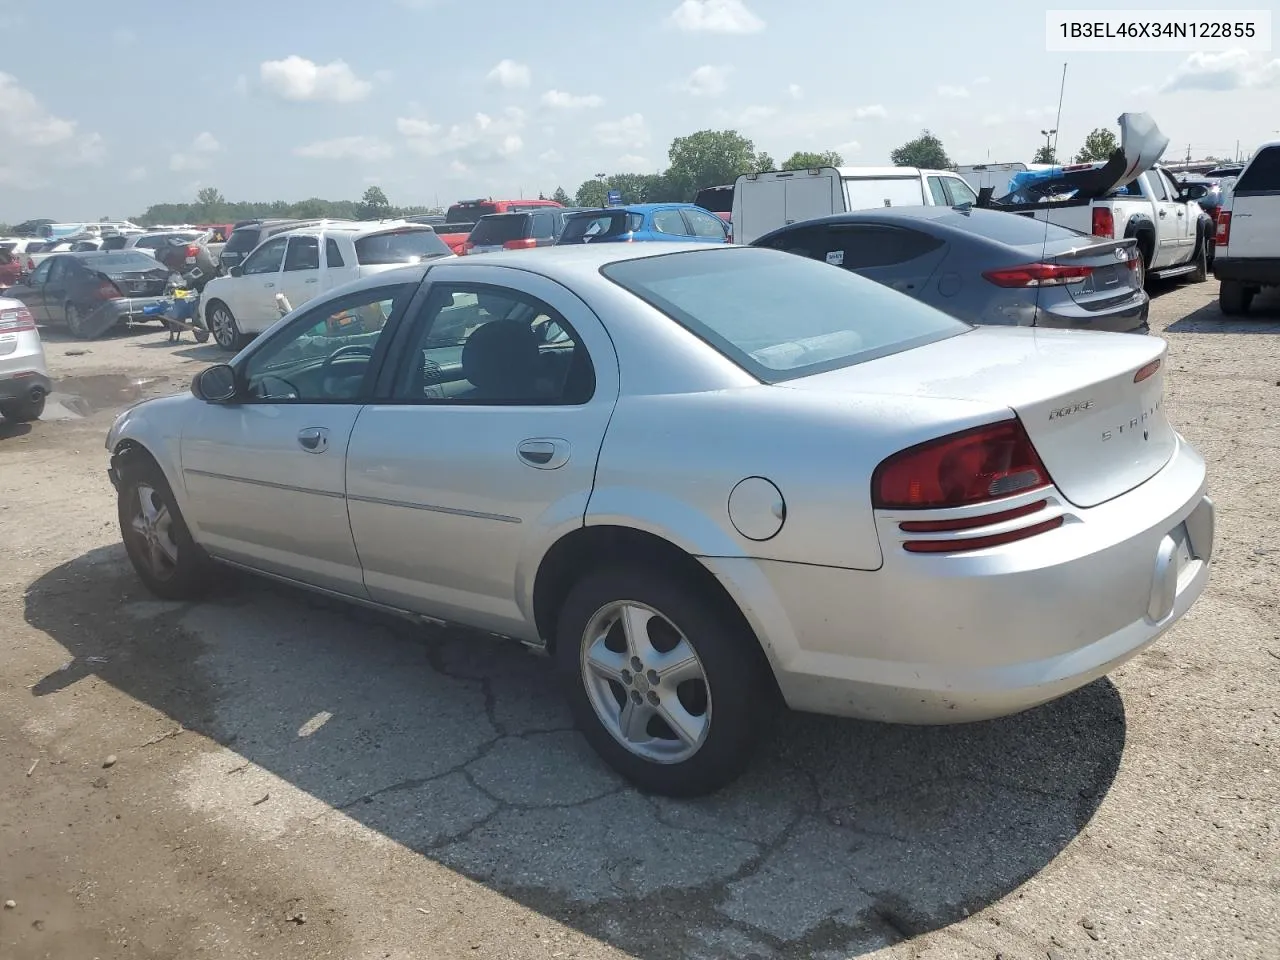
{"points": [[600, 226], [400, 246], [780, 316], [499, 228]]}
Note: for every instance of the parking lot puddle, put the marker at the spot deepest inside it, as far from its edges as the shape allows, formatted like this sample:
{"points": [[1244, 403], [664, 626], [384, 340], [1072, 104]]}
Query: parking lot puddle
{"points": [[74, 398]]}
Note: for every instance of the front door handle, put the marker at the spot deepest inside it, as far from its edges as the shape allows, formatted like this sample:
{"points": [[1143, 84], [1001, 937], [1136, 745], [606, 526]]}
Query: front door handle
{"points": [[270, 286], [314, 439], [544, 453], [1163, 214], [313, 280]]}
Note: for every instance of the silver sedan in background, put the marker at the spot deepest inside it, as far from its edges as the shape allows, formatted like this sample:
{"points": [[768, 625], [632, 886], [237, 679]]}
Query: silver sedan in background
{"points": [[701, 477]]}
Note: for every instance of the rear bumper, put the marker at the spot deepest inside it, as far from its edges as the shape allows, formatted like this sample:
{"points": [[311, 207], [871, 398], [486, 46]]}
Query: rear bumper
{"points": [[1260, 270], [18, 385], [938, 639], [1129, 317]]}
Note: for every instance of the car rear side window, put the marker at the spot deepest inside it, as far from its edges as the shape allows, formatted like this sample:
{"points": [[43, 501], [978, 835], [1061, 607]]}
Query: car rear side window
{"points": [[332, 255], [500, 228], [544, 225], [856, 246], [937, 192], [1262, 175], [399, 246], [705, 225], [778, 316], [670, 221]]}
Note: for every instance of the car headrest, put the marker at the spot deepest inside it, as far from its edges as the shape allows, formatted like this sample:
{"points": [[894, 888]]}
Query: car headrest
{"points": [[500, 358]]}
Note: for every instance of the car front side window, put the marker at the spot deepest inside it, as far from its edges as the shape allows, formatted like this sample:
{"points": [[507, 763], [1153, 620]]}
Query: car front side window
{"points": [[325, 355], [479, 344], [41, 273], [266, 259]]}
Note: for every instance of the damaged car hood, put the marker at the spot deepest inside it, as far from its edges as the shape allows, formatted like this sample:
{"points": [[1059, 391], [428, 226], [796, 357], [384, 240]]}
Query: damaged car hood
{"points": [[1141, 146]]}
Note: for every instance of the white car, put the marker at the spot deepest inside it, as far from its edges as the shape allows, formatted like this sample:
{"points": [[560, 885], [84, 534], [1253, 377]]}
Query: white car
{"points": [[303, 263], [1248, 240], [24, 378], [700, 476]]}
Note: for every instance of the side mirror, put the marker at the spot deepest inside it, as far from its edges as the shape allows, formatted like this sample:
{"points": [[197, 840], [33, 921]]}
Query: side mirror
{"points": [[236, 271], [216, 384]]}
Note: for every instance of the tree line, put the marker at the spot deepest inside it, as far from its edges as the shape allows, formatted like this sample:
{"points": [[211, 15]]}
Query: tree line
{"points": [[702, 159]]}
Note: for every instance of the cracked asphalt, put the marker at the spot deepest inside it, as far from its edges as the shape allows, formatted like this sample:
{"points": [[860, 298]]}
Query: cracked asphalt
{"points": [[295, 778]]}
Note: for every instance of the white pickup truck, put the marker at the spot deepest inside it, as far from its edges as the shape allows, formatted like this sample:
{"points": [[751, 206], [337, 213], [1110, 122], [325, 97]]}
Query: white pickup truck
{"points": [[1127, 196]]}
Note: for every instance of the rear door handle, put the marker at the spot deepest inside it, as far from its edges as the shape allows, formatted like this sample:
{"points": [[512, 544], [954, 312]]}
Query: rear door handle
{"points": [[1163, 214], [544, 453], [270, 285], [314, 439], [313, 280]]}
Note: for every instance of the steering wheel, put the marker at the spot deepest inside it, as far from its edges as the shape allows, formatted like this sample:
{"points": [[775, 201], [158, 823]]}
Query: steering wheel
{"points": [[351, 349]]}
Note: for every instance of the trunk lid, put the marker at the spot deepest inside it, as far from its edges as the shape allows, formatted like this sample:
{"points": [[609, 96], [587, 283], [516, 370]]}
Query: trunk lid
{"points": [[1099, 433], [1112, 279]]}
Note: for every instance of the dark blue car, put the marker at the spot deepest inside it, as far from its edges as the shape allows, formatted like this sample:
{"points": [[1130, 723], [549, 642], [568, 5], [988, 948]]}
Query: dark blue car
{"points": [[637, 222]]}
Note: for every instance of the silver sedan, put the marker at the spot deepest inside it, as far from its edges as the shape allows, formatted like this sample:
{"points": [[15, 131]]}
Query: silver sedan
{"points": [[703, 479]]}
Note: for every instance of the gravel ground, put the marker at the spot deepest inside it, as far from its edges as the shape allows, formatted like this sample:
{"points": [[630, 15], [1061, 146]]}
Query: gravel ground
{"points": [[269, 775]]}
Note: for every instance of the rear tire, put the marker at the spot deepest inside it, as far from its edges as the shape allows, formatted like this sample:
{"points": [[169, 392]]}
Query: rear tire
{"points": [[22, 411], [201, 334], [623, 616], [166, 558], [75, 321], [1234, 298], [223, 326]]}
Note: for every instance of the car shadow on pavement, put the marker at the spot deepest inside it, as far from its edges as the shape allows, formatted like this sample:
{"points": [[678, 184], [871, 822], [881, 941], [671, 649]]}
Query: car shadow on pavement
{"points": [[843, 836], [208, 352], [1263, 317]]}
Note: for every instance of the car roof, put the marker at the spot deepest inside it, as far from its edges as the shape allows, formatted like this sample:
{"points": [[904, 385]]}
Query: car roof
{"points": [[639, 207], [364, 228]]}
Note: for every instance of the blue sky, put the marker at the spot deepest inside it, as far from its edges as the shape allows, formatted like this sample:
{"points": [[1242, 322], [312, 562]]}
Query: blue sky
{"points": [[106, 108]]}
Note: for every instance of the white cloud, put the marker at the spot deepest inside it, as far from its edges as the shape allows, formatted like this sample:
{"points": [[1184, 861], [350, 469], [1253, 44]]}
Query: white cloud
{"points": [[629, 161], [1220, 72], [994, 120], [136, 174], [755, 115], [707, 81], [510, 75], [196, 156], [299, 79], [795, 92], [123, 37], [630, 131], [34, 139], [346, 148], [382, 76], [550, 156], [873, 112], [569, 101], [483, 139], [715, 16], [848, 149], [458, 170], [952, 93]]}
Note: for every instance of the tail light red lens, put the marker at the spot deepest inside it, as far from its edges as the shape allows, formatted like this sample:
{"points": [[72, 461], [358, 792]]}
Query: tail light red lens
{"points": [[108, 291], [1223, 236], [16, 320], [1104, 223], [192, 252], [1038, 275], [1145, 372], [972, 466], [528, 243]]}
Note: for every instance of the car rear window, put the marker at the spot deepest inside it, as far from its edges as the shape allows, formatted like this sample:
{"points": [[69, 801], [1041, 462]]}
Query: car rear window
{"points": [[469, 212], [400, 246], [500, 228], [124, 261], [780, 316], [242, 241], [1262, 174], [1008, 228], [600, 226]]}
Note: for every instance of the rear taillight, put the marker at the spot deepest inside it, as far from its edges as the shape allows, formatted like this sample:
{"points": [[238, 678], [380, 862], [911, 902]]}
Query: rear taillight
{"points": [[1104, 222], [528, 243], [1145, 372], [1223, 236], [31, 265], [466, 248], [192, 252], [972, 466], [16, 320], [108, 291], [1038, 275]]}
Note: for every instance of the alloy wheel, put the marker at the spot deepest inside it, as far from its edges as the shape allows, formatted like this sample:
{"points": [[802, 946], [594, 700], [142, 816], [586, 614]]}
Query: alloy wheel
{"points": [[646, 683], [224, 329], [151, 526]]}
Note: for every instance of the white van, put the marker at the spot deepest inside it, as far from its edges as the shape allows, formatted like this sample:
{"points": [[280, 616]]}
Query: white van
{"points": [[996, 175], [766, 201], [1247, 247]]}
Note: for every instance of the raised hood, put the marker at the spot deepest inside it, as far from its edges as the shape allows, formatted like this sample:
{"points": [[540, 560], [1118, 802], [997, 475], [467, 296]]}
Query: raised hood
{"points": [[1099, 430], [1141, 146]]}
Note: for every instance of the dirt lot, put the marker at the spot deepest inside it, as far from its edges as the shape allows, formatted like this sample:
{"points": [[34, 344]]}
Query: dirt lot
{"points": [[269, 775]]}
